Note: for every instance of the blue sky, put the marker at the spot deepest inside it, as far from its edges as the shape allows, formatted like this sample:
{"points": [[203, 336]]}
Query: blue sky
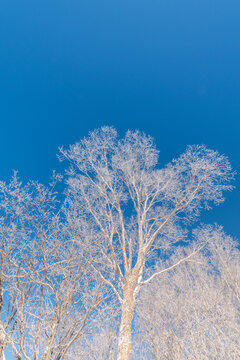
{"points": [[169, 68]]}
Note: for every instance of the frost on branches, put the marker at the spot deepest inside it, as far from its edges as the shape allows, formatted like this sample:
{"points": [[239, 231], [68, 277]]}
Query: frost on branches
{"points": [[137, 212], [73, 265]]}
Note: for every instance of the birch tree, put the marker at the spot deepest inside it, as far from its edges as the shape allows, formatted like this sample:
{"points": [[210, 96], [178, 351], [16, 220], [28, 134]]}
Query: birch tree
{"points": [[137, 211], [193, 311], [50, 293]]}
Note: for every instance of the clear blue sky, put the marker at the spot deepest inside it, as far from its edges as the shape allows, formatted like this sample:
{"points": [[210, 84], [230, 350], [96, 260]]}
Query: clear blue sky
{"points": [[169, 68]]}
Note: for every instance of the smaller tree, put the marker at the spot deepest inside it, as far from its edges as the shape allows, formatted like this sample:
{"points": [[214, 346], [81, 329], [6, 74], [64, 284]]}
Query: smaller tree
{"points": [[193, 311], [50, 291]]}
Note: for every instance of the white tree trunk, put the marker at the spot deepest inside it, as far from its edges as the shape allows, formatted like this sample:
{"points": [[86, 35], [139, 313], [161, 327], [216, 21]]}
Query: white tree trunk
{"points": [[125, 333], [2, 338]]}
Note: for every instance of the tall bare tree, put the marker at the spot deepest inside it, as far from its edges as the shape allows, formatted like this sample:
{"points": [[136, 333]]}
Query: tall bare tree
{"points": [[135, 210]]}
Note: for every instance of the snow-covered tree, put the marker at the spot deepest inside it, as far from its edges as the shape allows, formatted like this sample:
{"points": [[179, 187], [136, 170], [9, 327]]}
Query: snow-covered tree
{"points": [[193, 311], [49, 291], [136, 212]]}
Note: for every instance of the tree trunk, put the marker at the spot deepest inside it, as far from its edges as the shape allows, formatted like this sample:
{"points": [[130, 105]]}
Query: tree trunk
{"points": [[2, 337], [125, 333]]}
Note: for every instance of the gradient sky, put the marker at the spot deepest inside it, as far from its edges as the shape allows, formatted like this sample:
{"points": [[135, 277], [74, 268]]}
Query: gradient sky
{"points": [[169, 68]]}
